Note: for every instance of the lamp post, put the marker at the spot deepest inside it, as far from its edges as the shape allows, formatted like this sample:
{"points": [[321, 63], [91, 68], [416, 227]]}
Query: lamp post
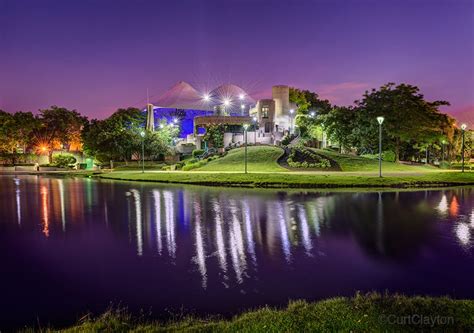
{"points": [[242, 108], [380, 121], [291, 119], [142, 134], [463, 129], [245, 155]]}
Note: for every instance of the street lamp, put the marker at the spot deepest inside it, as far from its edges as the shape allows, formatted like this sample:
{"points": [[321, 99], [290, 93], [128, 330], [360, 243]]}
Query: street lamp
{"points": [[380, 121], [242, 107], [291, 119], [245, 155], [312, 114], [142, 134], [463, 129]]}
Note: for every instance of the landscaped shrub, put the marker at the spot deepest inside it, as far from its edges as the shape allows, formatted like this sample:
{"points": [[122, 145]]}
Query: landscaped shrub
{"points": [[444, 165], [198, 152], [300, 156], [63, 160], [388, 156]]}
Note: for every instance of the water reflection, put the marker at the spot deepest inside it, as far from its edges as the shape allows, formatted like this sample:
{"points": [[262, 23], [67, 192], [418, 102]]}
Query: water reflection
{"points": [[227, 236]]}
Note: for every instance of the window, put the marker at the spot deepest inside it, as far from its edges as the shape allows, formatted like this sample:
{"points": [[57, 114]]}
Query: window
{"points": [[265, 111]]}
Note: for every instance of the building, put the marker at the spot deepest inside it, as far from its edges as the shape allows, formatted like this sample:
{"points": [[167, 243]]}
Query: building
{"points": [[228, 104]]}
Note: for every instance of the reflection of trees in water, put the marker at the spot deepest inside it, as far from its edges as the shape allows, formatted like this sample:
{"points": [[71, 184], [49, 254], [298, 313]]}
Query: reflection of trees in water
{"points": [[386, 227]]}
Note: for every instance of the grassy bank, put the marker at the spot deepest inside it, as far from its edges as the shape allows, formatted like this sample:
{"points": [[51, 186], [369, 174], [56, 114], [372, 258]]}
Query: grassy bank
{"points": [[300, 180], [259, 159], [363, 164], [362, 313]]}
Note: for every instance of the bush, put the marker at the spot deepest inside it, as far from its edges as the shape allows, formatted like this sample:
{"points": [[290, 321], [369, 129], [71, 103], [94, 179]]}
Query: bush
{"points": [[388, 156], [444, 165], [198, 152], [63, 160]]}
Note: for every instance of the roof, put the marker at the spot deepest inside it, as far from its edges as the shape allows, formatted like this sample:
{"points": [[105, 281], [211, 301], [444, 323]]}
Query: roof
{"points": [[184, 96]]}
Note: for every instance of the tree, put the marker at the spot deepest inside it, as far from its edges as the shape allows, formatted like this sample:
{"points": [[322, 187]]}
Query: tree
{"points": [[215, 135], [339, 124], [59, 127], [118, 137], [408, 117], [308, 102]]}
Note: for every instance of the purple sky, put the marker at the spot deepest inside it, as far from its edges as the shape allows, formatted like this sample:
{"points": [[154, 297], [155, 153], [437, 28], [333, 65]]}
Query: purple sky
{"points": [[97, 55]]}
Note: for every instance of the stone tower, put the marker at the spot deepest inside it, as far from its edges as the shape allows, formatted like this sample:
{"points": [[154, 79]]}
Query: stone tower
{"points": [[281, 96]]}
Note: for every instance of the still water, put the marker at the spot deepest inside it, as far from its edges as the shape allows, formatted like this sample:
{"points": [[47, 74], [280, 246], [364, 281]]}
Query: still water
{"points": [[69, 246]]}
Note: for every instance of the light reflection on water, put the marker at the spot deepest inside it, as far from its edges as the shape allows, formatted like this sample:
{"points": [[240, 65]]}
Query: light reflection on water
{"points": [[232, 248]]}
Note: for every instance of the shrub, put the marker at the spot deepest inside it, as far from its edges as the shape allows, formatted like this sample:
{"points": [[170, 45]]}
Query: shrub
{"points": [[63, 160], [444, 165], [198, 152], [388, 156]]}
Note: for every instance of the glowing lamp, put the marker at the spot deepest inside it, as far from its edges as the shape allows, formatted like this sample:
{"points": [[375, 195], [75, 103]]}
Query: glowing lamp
{"points": [[227, 102], [142, 134], [241, 96], [463, 127], [206, 97], [292, 111], [242, 106], [380, 120], [254, 118]]}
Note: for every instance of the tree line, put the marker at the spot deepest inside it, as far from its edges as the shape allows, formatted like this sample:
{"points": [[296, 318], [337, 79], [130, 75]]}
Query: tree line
{"points": [[414, 129], [118, 137]]}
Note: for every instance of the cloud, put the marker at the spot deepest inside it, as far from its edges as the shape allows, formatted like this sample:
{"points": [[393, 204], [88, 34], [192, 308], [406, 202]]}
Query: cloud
{"points": [[463, 114], [344, 93]]}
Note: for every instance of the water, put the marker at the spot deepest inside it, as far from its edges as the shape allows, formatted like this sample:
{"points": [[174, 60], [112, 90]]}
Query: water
{"points": [[69, 246]]}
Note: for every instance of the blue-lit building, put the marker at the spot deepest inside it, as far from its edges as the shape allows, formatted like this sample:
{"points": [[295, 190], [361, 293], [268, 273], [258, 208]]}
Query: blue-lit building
{"points": [[182, 103]]}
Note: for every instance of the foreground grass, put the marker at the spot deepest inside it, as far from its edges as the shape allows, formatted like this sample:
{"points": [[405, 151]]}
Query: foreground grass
{"points": [[259, 159], [363, 164], [363, 313], [299, 180]]}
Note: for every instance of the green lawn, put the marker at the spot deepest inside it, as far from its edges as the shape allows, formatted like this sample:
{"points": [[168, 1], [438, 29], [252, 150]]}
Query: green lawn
{"points": [[259, 158], [299, 180], [362, 313], [362, 164]]}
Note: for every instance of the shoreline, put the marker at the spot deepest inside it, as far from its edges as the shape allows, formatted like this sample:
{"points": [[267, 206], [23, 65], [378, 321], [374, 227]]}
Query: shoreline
{"points": [[371, 312], [297, 180]]}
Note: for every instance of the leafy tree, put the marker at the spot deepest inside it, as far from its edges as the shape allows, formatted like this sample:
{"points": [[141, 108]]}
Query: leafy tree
{"points": [[339, 124], [59, 127], [408, 117], [215, 135], [118, 137], [308, 102]]}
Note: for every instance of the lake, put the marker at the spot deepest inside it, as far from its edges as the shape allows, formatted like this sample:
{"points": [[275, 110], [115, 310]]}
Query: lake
{"points": [[73, 245]]}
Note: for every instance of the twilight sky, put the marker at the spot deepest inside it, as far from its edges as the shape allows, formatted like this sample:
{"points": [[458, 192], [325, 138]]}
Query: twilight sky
{"points": [[97, 55]]}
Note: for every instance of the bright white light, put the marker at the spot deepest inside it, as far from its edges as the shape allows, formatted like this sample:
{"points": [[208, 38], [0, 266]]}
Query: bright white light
{"points": [[175, 120], [242, 106], [443, 205], [291, 111], [142, 133], [162, 126], [380, 120], [254, 118], [226, 102], [463, 233], [206, 97], [241, 96], [245, 126], [313, 113], [463, 127]]}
